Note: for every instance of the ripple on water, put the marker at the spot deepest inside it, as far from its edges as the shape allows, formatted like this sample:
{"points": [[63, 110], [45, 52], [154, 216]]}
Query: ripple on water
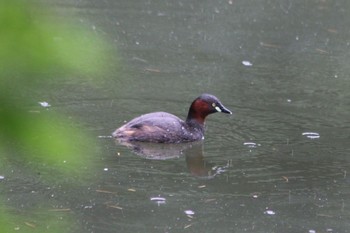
{"points": [[158, 200]]}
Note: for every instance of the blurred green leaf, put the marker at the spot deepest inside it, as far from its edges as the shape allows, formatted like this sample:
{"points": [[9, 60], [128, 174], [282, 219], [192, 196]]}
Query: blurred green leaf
{"points": [[33, 46], [45, 139]]}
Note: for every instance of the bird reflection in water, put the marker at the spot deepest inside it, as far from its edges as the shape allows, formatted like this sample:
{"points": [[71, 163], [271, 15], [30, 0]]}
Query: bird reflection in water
{"points": [[192, 151]]}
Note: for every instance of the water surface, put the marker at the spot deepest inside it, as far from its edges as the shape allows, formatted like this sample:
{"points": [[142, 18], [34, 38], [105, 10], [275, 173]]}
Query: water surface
{"points": [[280, 66]]}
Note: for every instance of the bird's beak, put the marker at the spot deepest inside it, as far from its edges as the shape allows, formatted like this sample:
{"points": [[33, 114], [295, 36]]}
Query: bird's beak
{"points": [[223, 109]]}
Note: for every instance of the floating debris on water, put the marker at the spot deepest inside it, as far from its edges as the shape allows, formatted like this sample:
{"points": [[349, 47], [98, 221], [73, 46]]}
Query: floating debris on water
{"points": [[60, 210], [270, 212], [2, 177], [311, 135], [44, 104], [105, 169], [29, 224], [115, 207], [189, 213], [247, 63], [267, 45], [285, 178], [104, 191]]}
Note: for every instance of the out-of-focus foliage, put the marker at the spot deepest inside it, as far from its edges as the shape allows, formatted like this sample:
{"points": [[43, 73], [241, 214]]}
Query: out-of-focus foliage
{"points": [[31, 43], [33, 46]]}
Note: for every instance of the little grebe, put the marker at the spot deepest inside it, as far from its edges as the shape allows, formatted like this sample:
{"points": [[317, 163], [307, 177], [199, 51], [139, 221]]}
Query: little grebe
{"points": [[162, 127]]}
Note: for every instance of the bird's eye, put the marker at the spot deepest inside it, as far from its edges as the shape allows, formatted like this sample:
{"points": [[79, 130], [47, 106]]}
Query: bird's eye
{"points": [[217, 108]]}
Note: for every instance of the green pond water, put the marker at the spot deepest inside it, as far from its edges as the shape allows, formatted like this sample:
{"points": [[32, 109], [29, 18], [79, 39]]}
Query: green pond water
{"points": [[280, 163]]}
